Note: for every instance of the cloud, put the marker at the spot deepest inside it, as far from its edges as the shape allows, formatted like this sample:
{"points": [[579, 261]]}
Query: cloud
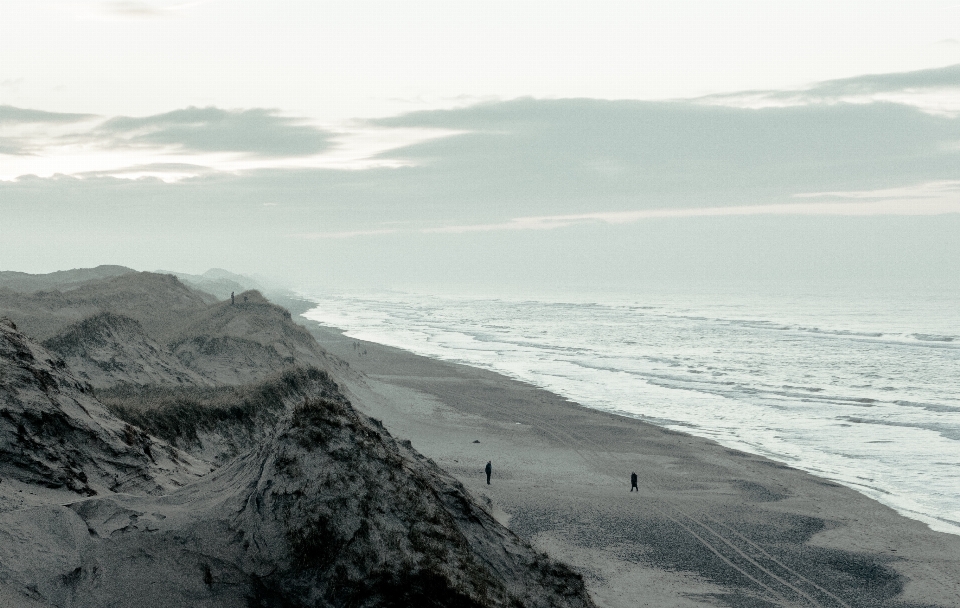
{"points": [[886, 204], [144, 9], [935, 90], [489, 164], [934, 198], [166, 172], [558, 157], [945, 77], [259, 132], [133, 9], [10, 115], [947, 189], [493, 161], [187, 143], [11, 84], [528, 183], [547, 156], [11, 147], [346, 234], [19, 128]]}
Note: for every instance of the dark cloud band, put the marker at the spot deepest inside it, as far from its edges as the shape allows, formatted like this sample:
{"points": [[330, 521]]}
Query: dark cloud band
{"points": [[12, 115], [258, 132]]}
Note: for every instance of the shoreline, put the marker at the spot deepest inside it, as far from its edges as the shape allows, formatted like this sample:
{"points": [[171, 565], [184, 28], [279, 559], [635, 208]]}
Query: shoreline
{"points": [[710, 524], [912, 476]]}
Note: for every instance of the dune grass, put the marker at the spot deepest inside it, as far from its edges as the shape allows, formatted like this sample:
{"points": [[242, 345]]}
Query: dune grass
{"points": [[178, 414]]}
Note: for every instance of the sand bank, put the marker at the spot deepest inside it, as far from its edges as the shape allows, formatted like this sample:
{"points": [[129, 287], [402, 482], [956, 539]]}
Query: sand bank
{"points": [[709, 526]]}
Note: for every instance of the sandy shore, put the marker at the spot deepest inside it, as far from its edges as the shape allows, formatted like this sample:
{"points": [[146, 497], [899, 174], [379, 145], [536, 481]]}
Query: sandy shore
{"points": [[709, 526]]}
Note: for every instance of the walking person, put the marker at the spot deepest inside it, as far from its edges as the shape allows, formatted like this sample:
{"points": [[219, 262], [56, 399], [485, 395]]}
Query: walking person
{"points": [[488, 469], [633, 482]]}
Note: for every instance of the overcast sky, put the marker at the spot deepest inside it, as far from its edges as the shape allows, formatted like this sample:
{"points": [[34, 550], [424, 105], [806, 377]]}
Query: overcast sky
{"points": [[590, 145]]}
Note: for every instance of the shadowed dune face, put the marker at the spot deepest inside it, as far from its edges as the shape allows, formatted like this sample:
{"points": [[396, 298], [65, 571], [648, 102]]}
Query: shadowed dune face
{"points": [[54, 433]]}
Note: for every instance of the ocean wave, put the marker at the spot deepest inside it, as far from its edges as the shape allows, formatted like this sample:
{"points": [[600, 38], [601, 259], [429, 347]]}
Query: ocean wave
{"points": [[947, 431], [933, 338], [930, 407]]}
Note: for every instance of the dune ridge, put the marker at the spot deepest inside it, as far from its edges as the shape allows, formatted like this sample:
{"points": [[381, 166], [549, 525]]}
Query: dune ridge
{"points": [[243, 477]]}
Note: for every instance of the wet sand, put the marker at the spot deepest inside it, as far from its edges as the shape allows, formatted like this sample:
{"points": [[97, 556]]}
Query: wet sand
{"points": [[709, 526]]}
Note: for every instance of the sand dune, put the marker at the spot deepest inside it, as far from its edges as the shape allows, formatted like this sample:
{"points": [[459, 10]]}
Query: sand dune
{"points": [[273, 493]]}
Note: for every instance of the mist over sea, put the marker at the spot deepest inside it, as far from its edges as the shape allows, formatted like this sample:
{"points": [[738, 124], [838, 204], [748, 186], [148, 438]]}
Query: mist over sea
{"points": [[864, 391]]}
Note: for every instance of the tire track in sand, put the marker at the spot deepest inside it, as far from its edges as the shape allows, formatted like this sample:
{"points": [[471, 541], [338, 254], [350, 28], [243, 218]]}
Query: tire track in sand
{"points": [[734, 549]]}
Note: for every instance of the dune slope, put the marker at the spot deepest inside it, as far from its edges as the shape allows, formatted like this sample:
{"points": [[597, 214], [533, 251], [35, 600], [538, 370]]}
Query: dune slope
{"points": [[108, 349], [277, 493]]}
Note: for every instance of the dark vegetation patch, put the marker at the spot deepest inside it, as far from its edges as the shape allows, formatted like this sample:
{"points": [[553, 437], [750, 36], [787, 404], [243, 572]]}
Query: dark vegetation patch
{"points": [[858, 579], [771, 528], [197, 351], [420, 589], [316, 421], [178, 414], [757, 493]]}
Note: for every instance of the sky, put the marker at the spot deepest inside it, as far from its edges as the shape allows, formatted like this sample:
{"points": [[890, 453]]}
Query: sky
{"points": [[591, 146]]}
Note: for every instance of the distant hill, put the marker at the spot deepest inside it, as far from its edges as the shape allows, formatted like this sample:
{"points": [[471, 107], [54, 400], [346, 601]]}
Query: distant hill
{"points": [[217, 281], [146, 328], [161, 303], [62, 280]]}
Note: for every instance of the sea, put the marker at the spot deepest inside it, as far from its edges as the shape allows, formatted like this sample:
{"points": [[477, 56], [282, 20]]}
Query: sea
{"points": [[860, 389]]}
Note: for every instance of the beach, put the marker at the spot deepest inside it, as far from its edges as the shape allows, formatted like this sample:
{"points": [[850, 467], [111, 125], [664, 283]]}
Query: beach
{"points": [[709, 525]]}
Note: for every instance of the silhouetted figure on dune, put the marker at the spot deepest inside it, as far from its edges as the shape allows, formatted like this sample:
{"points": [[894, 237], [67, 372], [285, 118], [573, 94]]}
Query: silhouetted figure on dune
{"points": [[633, 482], [231, 299], [488, 469]]}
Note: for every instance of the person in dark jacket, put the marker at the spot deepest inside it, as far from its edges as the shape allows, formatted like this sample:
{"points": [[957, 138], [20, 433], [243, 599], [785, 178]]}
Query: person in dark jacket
{"points": [[633, 482], [488, 469]]}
